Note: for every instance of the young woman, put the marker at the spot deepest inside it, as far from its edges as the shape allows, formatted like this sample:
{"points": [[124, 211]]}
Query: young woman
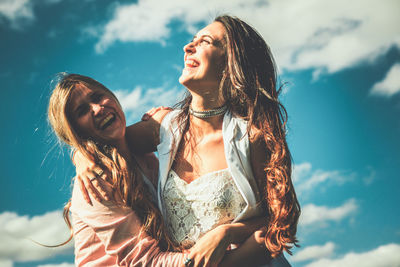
{"points": [[127, 230], [227, 142]]}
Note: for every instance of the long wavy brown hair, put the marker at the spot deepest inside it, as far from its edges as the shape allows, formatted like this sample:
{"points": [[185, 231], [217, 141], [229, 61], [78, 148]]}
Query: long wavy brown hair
{"points": [[248, 87], [125, 178]]}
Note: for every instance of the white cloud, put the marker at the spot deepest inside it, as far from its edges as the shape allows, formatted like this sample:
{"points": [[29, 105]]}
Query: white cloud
{"points": [[390, 85], [326, 36], [305, 178], [313, 214], [64, 264], [6, 263], [20, 12], [136, 102], [17, 12], [383, 256], [314, 252], [17, 233], [300, 171]]}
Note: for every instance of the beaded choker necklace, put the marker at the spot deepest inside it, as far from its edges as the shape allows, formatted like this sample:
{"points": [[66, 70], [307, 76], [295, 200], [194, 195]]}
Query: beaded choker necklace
{"points": [[208, 113]]}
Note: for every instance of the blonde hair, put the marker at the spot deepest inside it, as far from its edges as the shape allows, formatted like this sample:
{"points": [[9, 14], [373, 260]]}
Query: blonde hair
{"points": [[125, 179]]}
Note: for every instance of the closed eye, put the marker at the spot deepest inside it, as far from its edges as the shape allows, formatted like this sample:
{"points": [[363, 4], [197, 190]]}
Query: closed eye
{"points": [[82, 110], [205, 41]]}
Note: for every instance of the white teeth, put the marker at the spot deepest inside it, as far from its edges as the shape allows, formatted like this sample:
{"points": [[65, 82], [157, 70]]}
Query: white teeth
{"points": [[106, 119], [191, 63]]}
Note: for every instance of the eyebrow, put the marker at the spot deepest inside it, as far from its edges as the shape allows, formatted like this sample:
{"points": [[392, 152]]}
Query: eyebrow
{"points": [[204, 35]]}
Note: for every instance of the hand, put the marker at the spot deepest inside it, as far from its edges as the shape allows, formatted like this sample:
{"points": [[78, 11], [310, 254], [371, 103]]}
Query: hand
{"points": [[153, 111], [210, 249], [88, 174]]}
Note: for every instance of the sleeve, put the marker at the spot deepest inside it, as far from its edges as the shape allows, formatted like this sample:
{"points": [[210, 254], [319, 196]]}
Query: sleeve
{"points": [[119, 230]]}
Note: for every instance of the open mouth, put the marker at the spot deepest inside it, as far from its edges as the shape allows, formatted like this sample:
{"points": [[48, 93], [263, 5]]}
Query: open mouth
{"points": [[191, 63], [107, 121]]}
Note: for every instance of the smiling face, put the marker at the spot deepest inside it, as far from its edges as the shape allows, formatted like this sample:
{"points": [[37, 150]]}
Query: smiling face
{"points": [[96, 114], [204, 58]]}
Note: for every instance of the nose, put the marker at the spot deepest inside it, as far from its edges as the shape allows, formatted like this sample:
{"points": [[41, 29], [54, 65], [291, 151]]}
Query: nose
{"points": [[190, 48], [96, 108]]}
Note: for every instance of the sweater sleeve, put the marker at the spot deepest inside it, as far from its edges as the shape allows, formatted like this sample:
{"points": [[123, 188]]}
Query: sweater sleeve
{"points": [[119, 231]]}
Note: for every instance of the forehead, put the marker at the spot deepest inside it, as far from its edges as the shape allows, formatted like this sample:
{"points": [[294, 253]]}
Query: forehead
{"points": [[215, 29], [79, 92]]}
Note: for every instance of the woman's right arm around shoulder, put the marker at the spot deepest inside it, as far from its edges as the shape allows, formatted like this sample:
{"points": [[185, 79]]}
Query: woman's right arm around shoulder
{"points": [[144, 136], [119, 230]]}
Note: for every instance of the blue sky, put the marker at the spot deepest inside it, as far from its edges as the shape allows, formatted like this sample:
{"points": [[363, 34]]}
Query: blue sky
{"points": [[340, 61]]}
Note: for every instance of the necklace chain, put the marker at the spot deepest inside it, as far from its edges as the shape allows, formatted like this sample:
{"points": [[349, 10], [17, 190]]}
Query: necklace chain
{"points": [[208, 113]]}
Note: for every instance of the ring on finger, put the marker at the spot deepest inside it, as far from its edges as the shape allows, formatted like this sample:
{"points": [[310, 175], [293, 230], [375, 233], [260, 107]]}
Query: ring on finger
{"points": [[188, 261], [93, 178], [100, 173]]}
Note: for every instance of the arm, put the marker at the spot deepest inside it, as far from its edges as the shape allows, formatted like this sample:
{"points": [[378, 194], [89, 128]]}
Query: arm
{"points": [[251, 253], [144, 136], [211, 248], [117, 230]]}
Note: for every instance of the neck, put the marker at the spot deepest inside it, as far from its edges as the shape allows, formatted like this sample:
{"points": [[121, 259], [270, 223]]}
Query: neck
{"points": [[208, 124], [206, 101]]}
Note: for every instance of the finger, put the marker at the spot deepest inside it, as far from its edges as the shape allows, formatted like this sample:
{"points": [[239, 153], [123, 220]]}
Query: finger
{"points": [[188, 261], [97, 184], [153, 111], [164, 108], [198, 261], [84, 191], [90, 179], [100, 183]]}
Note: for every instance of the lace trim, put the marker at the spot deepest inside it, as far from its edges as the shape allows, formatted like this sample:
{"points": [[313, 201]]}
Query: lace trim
{"points": [[195, 208]]}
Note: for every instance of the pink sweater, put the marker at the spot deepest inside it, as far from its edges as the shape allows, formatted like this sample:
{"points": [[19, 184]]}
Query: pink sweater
{"points": [[109, 235]]}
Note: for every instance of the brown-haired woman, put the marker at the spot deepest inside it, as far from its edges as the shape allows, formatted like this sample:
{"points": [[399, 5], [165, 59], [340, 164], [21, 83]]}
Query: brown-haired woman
{"points": [[231, 128], [127, 230], [228, 64]]}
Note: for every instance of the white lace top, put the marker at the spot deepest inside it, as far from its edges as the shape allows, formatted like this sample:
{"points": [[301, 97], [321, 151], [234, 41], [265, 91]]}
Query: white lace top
{"points": [[195, 208]]}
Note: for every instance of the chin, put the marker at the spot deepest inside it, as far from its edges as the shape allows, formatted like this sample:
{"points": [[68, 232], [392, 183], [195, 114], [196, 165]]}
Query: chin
{"points": [[184, 82], [184, 78]]}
